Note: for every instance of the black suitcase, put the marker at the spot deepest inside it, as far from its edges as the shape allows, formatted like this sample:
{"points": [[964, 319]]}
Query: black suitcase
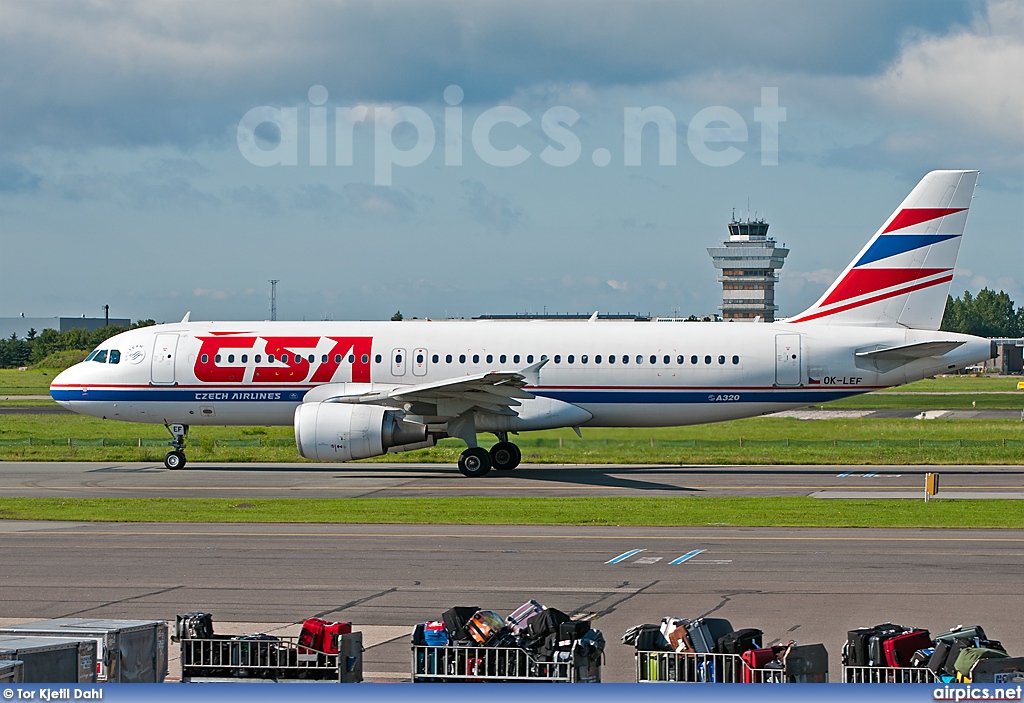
{"points": [[194, 626], [856, 650], [573, 630], [705, 633], [544, 624], [455, 620], [921, 658], [876, 652], [937, 662], [740, 641], [949, 666]]}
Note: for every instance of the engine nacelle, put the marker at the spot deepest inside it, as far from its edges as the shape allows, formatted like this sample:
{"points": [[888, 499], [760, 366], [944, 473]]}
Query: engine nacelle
{"points": [[343, 432]]}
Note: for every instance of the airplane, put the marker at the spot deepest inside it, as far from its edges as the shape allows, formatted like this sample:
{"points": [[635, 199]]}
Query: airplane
{"points": [[355, 390]]}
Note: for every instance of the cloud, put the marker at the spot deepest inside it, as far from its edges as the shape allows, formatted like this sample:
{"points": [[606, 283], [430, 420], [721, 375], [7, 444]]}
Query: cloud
{"points": [[378, 200], [621, 286], [495, 211]]}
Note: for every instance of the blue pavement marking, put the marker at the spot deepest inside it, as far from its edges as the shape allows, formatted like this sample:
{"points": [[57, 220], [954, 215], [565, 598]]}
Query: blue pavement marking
{"points": [[688, 555], [625, 555], [843, 475]]}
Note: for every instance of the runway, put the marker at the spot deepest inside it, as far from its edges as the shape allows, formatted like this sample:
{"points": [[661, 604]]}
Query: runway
{"points": [[152, 480], [811, 585]]}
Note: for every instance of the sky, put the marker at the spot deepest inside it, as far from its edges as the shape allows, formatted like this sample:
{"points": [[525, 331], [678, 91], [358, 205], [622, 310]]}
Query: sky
{"points": [[457, 158]]}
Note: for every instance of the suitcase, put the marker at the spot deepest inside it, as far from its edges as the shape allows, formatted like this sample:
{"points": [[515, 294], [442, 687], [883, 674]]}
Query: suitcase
{"points": [[455, 620], [920, 658], [937, 661], [569, 632], [756, 659], [544, 624], [517, 620], [674, 630], [705, 632], [855, 651], [740, 641], [961, 631], [435, 634], [484, 626], [899, 650], [876, 644], [193, 626], [332, 633], [958, 645], [648, 638], [322, 635], [806, 663]]}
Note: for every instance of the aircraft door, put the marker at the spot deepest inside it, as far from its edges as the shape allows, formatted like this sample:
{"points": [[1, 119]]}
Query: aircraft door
{"points": [[419, 362], [787, 360], [397, 362], [164, 348]]}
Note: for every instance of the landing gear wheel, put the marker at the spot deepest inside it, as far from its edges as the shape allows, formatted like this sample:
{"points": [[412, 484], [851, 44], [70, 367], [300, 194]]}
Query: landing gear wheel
{"points": [[175, 460], [474, 462], [505, 456]]}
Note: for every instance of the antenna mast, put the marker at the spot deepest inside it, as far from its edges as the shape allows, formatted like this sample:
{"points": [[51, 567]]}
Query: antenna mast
{"points": [[273, 298]]}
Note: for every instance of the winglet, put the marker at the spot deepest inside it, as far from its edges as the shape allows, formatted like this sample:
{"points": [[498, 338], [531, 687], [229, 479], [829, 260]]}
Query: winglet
{"points": [[532, 372], [593, 318], [185, 319]]}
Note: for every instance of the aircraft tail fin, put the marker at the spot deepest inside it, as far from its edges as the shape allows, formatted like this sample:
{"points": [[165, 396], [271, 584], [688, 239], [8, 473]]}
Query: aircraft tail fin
{"points": [[901, 277]]}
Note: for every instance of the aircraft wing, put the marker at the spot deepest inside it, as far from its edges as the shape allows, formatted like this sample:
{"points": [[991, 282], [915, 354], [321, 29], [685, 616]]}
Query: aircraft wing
{"points": [[909, 352], [493, 391]]}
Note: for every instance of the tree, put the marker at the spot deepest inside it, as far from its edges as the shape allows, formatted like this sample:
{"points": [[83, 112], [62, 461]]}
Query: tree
{"points": [[989, 314], [397, 317]]}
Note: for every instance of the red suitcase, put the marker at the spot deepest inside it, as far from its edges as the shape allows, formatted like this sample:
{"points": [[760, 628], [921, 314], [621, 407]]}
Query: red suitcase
{"points": [[756, 659], [322, 635], [901, 648]]}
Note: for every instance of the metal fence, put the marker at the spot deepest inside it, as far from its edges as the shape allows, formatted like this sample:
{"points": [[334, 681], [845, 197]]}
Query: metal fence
{"points": [[497, 664], [887, 674], [278, 658], [696, 667]]}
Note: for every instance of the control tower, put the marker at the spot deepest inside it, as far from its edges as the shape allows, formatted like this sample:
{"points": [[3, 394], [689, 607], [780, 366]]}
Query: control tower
{"points": [[749, 260]]}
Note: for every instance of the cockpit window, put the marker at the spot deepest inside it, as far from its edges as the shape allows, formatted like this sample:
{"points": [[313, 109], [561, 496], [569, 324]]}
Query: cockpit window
{"points": [[94, 353], [115, 356], [101, 356]]}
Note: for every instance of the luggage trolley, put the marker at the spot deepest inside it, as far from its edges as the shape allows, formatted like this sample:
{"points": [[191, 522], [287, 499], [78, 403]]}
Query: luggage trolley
{"points": [[453, 664], [888, 674], [269, 657], [801, 664]]}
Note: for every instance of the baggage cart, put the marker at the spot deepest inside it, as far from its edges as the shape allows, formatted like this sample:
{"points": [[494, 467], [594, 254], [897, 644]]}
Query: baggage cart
{"points": [[12, 671], [699, 667], [455, 664], [888, 674], [52, 659], [270, 658], [127, 651]]}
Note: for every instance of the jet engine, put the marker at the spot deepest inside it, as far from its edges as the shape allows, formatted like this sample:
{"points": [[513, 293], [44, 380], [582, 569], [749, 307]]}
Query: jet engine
{"points": [[343, 432]]}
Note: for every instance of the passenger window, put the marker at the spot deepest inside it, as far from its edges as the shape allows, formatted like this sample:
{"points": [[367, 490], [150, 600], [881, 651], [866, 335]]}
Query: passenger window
{"points": [[502, 358], [558, 358], [323, 359], [377, 358], [462, 358], [611, 358], [245, 359], [693, 359], [625, 358], [231, 358], [654, 359], [351, 358], [101, 356], [666, 359], [398, 358], [337, 358], [205, 358], [735, 360], [571, 358], [707, 359], [515, 359], [584, 358], [721, 359], [365, 358], [115, 356], [447, 358], [680, 359], [476, 358], [543, 357], [597, 359], [216, 359], [270, 358], [434, 358], [259, 358], [284, 358], [639, 359], [419, 358], [529, 358], [490, 358]]}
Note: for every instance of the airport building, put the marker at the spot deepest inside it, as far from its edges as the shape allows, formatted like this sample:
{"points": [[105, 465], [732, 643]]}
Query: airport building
{"points": [[20, 326], [749, 261]]}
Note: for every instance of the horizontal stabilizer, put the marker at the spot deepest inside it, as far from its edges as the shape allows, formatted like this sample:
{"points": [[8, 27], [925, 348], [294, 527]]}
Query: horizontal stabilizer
{"points": [[909, 352]]}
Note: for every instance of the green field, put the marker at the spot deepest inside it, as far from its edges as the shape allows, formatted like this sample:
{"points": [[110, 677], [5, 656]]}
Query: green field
{"points": [[767, 440], [31, 382], [689, 511]]}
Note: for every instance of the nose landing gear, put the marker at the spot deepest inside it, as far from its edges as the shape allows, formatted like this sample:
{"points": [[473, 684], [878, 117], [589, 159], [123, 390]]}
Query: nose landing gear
{"points": [[175, 459]]}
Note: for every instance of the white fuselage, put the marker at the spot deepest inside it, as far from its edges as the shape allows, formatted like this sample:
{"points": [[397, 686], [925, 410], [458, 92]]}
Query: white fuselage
{"points": [[624, 374]]}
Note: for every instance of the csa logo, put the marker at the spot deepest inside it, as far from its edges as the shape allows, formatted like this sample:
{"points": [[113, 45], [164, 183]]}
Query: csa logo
{"points": [[136, 353]]}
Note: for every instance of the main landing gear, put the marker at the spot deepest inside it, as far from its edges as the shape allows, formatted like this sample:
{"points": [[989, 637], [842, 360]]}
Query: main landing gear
{"points": [[175, 459], [477, 461]]}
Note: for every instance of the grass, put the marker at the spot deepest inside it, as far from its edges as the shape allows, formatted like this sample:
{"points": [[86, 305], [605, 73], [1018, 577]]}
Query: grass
{"points": [[31, 382], [766, 440], [740, 512], [911, 401]]}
